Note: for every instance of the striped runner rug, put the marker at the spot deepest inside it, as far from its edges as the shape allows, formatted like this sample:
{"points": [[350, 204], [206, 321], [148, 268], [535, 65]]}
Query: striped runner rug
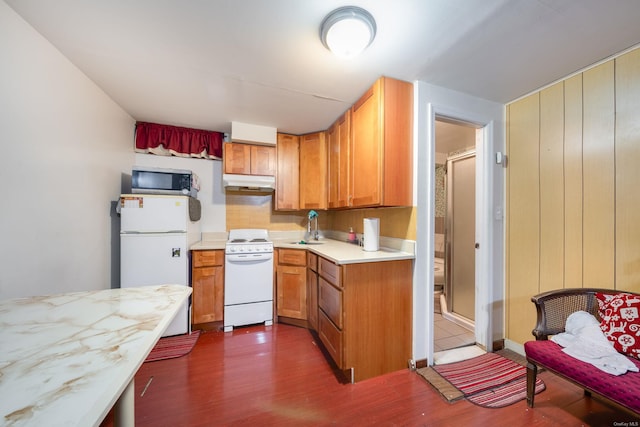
{"points": [[171, 347], [489, 380]]}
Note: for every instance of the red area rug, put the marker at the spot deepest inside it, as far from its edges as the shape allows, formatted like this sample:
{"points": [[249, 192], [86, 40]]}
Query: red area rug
{"points": [[171, 347], [489, 380]]}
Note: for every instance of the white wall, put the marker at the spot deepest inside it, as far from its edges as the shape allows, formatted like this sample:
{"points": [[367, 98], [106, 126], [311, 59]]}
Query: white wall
{"points": [[64, 146], [432, 100], [211, 195]]}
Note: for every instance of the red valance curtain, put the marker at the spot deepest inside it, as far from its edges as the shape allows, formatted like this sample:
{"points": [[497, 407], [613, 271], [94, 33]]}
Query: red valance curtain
{"points": [[178, 141]]}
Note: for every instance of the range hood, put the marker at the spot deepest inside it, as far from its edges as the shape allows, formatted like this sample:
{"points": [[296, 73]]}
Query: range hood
{"points": [[251, 134], [262, 183]]}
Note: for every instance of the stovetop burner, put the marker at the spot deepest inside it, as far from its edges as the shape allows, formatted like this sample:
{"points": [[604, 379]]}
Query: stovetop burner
{"points": [[249, 240], [248, 235], [260, 240]]}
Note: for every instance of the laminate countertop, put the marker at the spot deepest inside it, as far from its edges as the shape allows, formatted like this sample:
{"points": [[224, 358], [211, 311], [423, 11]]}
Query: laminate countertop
{"points": [[66, 359], [337, 251]]}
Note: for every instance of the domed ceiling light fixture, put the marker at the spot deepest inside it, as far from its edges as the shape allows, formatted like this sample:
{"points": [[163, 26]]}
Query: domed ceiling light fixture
{"points": [[347, 31]]}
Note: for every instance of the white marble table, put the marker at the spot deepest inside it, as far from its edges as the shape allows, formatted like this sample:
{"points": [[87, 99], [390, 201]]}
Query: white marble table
{"points": [[66, 359]]}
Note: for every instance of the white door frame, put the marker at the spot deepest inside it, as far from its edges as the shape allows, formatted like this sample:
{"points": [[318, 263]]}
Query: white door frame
{"points": [[484, 223]]}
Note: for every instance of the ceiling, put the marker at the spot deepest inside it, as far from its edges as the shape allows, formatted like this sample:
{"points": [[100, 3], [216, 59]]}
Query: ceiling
{"points": [[205, 63], [453, 137]]}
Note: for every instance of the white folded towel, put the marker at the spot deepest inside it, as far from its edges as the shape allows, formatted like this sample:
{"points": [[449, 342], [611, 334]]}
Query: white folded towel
{"points": [[584, 340]]}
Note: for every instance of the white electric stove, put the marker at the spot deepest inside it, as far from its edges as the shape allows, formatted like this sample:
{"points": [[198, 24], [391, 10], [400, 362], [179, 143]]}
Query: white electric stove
{"points": [[248, 278]]}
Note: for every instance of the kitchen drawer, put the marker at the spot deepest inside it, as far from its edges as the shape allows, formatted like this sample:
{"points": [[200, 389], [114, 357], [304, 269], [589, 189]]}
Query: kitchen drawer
{"points": [[312, 261], [207, 258], [292, 257], [330, 271], [331, 337], [330, 300]]}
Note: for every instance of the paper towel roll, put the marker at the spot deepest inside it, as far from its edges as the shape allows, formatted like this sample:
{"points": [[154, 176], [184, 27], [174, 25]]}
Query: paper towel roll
{"points": [[371, 234]]}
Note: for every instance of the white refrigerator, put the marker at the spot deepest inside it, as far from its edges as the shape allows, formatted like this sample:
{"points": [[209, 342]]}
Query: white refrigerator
{"points": [[155, 235]]}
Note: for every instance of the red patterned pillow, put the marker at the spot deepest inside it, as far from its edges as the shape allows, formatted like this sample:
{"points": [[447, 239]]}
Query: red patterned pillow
{"points": [[620, 321]]}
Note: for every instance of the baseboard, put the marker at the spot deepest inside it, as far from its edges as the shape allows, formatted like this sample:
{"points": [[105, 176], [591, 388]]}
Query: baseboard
{"points": [[422, 363], [514, 346]]}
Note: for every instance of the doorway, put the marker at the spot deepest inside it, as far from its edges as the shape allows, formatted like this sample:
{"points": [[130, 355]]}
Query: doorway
{"points": [[488, 117], [454, 234]]}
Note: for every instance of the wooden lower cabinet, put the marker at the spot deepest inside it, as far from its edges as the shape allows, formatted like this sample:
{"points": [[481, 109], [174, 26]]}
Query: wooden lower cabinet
{"points": [[330, 301], [207, 277], [292, 294], [365, 315], [291, 284], [312, 290], [331, 337]]}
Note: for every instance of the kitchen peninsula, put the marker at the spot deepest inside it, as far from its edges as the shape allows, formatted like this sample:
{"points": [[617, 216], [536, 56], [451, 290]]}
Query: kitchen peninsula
{"points": [[66, 359]]}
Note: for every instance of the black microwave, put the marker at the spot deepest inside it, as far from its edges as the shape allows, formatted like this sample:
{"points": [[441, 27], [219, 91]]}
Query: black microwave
{"points": [[150, 180]]}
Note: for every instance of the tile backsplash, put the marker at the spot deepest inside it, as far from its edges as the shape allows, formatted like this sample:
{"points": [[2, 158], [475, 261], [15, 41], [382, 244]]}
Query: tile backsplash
{"points": [[245, 210]]}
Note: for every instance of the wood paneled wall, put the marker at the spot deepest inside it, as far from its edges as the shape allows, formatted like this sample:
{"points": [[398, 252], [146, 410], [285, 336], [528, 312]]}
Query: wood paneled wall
{"points": [[573, 205]]}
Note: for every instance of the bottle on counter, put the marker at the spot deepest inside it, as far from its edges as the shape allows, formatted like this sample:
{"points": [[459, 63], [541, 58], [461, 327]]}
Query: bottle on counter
{"points": [[352, 236]]}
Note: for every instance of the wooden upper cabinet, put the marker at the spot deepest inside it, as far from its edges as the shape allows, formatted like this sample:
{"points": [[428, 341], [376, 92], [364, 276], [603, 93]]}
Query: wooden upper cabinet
{"points": [[263, 160], [237, 158], [364, 159], [338, 139], [313, 171], [288, 173], [381, 145], [247, 159]]}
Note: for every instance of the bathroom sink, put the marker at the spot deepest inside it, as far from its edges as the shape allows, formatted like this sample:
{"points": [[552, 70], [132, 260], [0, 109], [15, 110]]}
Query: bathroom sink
{"points": [[302, 242]]}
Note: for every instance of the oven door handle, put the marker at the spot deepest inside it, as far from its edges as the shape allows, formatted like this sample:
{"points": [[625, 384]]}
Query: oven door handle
{"points": [[238, 258]]}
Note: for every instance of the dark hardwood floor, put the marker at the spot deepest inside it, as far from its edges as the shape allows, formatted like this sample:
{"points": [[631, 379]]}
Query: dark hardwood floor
{"points": [[277, 376]]}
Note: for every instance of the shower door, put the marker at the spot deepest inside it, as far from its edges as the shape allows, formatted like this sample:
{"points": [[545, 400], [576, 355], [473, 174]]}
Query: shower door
{"points": [[460, 235]]}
